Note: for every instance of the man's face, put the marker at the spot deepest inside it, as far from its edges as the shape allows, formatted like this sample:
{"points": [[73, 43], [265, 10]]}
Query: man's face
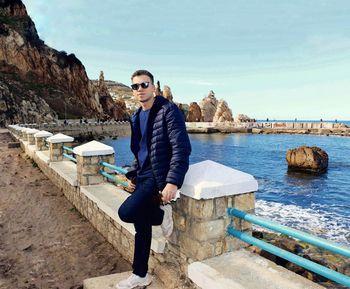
{"points": [[143, 94]]}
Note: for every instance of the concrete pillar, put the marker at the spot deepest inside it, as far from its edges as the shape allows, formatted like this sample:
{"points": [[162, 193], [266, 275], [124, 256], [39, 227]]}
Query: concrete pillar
{"points": [[24, 134], [30, 136], [89, 156], [40, 138], [56, 143], [200, 217]]}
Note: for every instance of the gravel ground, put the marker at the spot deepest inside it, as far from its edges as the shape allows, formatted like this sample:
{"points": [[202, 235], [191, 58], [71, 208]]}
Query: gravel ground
{"points": [[44, 241]]}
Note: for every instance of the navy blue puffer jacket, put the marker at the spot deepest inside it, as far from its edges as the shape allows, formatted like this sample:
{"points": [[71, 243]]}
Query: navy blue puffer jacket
{"points": [[167, 141]]}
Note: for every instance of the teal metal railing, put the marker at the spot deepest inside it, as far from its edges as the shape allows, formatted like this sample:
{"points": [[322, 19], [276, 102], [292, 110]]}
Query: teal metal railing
{"points": [[67, 150], [307, 264], [113, 178]]}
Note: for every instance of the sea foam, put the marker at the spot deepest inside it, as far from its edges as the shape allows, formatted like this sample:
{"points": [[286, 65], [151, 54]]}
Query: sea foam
{"points": [[311, 220]]}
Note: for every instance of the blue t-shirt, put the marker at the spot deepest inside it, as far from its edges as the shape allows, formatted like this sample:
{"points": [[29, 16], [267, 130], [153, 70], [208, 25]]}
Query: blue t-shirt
{"points": [[145, 169]]}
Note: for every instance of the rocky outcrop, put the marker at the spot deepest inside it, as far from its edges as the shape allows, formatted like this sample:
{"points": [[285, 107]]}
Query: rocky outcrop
{"points": [[184, 108], [243, 118], [309, 159], [158, 90], [208, 107], [29, 106], [114, 108], [223, 112], [323, 257], [194, 113], [167, 93], [57, 78]]}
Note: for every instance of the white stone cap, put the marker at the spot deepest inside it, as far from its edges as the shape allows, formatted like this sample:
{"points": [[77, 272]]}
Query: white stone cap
{"points": [[25, 129], [59, 138], [43, 133], [32, 131], [93, 148], [209, 179]]}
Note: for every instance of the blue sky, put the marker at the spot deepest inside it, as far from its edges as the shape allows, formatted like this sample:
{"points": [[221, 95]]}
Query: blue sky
{"points": [[273, 58]]}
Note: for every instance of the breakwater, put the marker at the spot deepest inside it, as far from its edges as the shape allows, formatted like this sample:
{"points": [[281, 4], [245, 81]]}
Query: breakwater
{"points": [[317, 128]]}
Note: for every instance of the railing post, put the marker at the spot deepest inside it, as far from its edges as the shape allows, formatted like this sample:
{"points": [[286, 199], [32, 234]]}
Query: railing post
{"points": [[40, 138], [200, 217], [30, 136], [24, 136], [56, 143], [89, 156]]}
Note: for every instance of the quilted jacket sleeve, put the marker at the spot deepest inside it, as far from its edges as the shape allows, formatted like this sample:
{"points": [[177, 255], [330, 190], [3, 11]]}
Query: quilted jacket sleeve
{"points": [[180, 145]]}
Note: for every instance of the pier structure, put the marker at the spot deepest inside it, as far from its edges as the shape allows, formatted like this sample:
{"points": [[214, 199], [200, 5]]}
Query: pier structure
{"points": [[201, 252]]}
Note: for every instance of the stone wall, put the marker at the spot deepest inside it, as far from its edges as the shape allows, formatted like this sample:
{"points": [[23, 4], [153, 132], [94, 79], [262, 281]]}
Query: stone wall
{"points": [[200, 219], [92, 130]]}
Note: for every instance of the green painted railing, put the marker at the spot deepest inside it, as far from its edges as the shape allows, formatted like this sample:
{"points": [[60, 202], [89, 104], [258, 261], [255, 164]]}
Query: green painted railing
{"points": [[113, 178], [307, 264], [69, 156]]}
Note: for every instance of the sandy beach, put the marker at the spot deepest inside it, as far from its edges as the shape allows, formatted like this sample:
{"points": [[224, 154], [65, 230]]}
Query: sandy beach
{"points": [[44, 241]]}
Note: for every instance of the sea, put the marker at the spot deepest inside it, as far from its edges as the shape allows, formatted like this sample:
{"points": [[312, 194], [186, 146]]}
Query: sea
{"points": [[317, 204]]}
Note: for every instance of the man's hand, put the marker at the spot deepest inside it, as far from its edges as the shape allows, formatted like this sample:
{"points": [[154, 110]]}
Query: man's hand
{"points": [[131, 186], [169, 193]]}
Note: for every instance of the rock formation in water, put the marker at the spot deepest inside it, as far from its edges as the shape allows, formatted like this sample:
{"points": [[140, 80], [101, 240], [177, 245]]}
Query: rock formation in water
{"points": [[223, 112], [208, 107], [167, 93], [194, 113], [40, 83], [309, 159]]}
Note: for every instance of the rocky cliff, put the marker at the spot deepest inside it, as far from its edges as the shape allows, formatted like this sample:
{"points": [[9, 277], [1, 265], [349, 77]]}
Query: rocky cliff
{"points": [[39, 83]]}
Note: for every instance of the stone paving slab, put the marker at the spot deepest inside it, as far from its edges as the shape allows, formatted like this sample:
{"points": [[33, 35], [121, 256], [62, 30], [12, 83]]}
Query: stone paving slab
{"points": [[67, 170], [245, 270], [44, 156], [109, 282]]}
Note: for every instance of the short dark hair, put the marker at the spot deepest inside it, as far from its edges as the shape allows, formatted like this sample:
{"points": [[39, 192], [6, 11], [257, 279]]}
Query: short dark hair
{"points": [[143, 72]]}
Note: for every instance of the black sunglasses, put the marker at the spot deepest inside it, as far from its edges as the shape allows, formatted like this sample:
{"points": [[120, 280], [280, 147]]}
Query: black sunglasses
{"points": [[136, 86]]}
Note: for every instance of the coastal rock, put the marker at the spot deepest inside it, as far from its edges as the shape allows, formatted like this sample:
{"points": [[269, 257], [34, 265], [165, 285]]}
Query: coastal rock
{"points": [[328, 259], [223, 112], [305, 158], [167, 93], [243, 118], [101, 85], [117, 108], [184, 109], [158, 90], [194, 113], [208, 107], [31, 107], [48, 74]]}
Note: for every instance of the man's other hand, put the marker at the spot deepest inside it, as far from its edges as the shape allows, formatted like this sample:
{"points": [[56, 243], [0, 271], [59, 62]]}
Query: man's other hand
{"points": [[131, 186], [169, 193]]}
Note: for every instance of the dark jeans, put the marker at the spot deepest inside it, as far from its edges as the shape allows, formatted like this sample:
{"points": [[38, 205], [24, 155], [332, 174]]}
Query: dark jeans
{"points": [[142, 209]]}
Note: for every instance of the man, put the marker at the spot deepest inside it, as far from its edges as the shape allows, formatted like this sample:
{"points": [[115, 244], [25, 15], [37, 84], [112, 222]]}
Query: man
{"points": [[161, 146]]}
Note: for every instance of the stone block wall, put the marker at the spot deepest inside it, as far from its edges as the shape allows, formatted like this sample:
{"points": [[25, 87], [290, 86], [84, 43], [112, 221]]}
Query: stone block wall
{"points": [[199, 224]]}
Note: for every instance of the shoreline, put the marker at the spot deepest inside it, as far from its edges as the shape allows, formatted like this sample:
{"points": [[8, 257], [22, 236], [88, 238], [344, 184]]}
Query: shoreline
{"points": [[312, 128]]}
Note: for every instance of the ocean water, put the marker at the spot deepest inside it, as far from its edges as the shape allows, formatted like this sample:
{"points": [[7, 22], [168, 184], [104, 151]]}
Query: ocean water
{"points": [[318, 204]]}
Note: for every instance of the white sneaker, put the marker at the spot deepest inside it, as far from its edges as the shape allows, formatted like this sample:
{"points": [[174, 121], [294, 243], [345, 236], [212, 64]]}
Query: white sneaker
{"points": [[168, 224], [134, 281]]}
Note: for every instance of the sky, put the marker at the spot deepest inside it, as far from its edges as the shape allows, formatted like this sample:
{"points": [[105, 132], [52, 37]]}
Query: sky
{"points": [[273, 59]]}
